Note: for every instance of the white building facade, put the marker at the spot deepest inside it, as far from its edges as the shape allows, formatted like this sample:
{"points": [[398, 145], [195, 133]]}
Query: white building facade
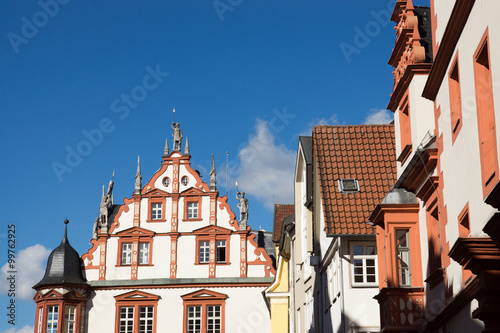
{"points": [[173, 257]]}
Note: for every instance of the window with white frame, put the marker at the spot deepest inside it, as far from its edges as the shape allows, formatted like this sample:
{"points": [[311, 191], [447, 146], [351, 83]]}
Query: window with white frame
{"points": [[143, 253], [52, 319], [213, 319], [192, 210], [40, 320], [204, 252], [126, 254], [220, 251], [126, 319], [403, 257], [204, 312], [69, 319], [364, 264], [193, 319], [136, 312], [156, 209], [146, 319]]}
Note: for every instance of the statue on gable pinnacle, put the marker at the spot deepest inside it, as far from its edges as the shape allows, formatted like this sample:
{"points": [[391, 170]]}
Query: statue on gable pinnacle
{"points": [[243, 206], [106, 204], [177, 136]]}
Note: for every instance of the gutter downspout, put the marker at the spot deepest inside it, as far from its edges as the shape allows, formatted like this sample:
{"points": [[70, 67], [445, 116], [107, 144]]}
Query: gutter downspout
{"points": [[342, 307]]}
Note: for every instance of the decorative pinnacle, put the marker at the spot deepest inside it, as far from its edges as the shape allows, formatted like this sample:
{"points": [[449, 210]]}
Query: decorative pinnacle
{"points": [[165, 151], [213, 173], [66, 221], [138, 177], [186, 148]]}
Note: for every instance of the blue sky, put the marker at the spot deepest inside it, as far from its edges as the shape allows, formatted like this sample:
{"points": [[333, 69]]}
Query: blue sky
{"points": [[247, 77]]}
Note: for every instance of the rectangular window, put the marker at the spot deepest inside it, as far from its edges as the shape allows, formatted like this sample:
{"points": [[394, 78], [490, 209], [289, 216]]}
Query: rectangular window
{"points": [[126, 254], [126, 319], [403, 257], [455, 99], [156, 211], [69, 319], [221, 251], [52, 319], [486, 116], [213, 319], [309, 311], [404, 130], [192, 210], [143, 253], [40, 320], [204, 252], [146, 319], [364, 264], [194, 319]]}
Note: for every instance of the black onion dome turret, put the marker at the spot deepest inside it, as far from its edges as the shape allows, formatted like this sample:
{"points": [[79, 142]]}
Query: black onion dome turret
{"points": [[64, 265]]}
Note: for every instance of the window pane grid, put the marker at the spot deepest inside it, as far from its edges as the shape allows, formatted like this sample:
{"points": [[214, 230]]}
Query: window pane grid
{"points": [[221, 251], [156, 211], [194, 319], [143, 253], [204, 255], [403, 257], [364, 263], [126, 254], [52, 319], [126, 319], [192, 210], [213, 319], [69, 319], [40, 320], [146, 319]]}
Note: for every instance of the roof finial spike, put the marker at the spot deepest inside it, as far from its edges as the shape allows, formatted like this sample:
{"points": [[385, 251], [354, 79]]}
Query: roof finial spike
{"points": [[165, 151], [186, 148], [138, 177], [213, 173], [65, 238]]}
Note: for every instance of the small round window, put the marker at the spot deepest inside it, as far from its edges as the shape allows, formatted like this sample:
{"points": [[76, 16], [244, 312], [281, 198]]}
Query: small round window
{"points": [[166, 181], [185, 180]]}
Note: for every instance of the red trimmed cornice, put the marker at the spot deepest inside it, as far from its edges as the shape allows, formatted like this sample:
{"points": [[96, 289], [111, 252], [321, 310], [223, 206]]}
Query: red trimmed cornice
{"points": [[404, 82], [452, 33], [476, 254]]}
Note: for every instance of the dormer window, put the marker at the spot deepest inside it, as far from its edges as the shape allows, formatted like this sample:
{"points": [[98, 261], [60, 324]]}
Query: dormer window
{"points": [[348, 185]]}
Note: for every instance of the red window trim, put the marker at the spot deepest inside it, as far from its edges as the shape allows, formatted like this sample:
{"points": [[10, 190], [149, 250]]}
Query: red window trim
{"points": [[152, 201], [214, 239], [188, 199], [135, 299], [213, 298], [454, 87], [137, 240], [486, 117], [405, 129]]}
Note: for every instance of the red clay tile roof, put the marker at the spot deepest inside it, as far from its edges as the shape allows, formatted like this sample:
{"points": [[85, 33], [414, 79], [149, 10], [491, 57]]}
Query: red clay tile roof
{"points": [[280, 212], [364, 152]]}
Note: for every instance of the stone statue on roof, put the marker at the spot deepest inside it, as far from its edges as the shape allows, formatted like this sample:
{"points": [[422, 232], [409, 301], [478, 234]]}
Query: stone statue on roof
{"points": [[177, 136], [243, 206], [106, 204]]}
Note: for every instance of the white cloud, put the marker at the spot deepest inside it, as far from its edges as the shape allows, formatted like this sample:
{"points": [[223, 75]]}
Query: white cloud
{"points": [[29, 267], [266, 168], [25, 329], [333, 120], [376, 116]]}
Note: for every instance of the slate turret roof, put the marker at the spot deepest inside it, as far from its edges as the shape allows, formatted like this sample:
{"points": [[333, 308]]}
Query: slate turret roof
{"points": [[63, 266]]}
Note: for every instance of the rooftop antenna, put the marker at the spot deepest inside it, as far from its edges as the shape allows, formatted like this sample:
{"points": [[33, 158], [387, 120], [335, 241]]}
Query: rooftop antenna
{"points": [[227, 172]]}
